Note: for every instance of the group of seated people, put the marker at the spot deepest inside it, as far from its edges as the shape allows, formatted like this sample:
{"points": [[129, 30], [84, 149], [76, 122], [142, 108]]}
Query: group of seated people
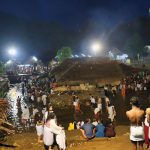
{"points": [[97, 129]]}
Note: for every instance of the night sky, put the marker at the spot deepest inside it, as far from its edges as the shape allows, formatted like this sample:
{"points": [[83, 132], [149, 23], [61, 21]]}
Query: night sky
{"points": [[71, 14]]}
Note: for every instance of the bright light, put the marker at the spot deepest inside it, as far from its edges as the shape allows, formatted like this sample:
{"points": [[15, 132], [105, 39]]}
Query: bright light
{"points": [[83, 55], [12, 52], [76, 56], [96, 46], [34, 58], [8, 62]]}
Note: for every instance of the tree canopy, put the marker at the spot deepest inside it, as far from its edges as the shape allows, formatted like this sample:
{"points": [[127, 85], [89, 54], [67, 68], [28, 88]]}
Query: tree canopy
{"points": [[64, 53], [2, 67]]}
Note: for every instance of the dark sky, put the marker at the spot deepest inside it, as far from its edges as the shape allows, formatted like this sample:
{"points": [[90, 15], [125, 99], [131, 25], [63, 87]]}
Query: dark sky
{"points": [[74, 12]]}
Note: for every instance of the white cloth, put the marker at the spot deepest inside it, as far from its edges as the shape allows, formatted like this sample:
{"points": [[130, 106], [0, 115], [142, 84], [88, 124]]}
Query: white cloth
{"points": [[35, 111], [61, 140], [75, 103], [44, 97], [96, 110], [48, 136], [95, 123], [93, 100], [111, 113], [136, 133], [25, 113], [39, 130], [32, 97], [99, 106], [54, 127]]}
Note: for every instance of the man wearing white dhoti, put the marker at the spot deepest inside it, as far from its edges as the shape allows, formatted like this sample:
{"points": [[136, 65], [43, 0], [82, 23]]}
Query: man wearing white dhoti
{"points": [[136, 116]]}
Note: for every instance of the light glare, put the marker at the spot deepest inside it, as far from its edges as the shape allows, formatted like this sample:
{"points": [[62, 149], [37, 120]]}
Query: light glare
{"points": [[12, 52]]}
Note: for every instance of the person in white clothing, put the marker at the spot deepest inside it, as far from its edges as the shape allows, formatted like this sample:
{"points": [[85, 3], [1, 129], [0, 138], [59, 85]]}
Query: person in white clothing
{"points": [[111, 112], [44, 99], [61, 140], [50, 129], [48, 137], [25, 115], [92, 99], [48, 112]]}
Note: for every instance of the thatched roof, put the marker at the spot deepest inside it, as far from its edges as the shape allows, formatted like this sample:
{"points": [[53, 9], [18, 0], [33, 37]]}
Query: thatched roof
{"points": [[91, 70]]}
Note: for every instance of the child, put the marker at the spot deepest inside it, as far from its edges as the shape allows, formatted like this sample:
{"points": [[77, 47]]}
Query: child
{"points": [[39, 127]]}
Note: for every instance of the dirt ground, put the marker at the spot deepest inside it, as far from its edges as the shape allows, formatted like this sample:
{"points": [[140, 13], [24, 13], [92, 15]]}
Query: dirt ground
{"points": [[64, 111], [28, 141]]}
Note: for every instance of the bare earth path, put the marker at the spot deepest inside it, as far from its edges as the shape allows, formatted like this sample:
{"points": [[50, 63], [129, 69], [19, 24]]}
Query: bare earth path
{"points": [[28, 141]]}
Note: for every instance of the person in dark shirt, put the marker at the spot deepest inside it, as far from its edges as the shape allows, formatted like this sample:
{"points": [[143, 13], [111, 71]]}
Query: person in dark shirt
{"points": [[109, 129], [88, 129]]}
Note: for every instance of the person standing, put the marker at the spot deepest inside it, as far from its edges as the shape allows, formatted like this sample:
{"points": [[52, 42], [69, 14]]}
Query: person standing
{"points": [[147, 127], [111, 112], [136, 116], [39, 126], [25, 116]]}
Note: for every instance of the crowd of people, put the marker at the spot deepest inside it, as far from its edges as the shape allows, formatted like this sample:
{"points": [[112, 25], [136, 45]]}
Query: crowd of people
{"points": [[39, 111], [137, 84], [103, 117]]}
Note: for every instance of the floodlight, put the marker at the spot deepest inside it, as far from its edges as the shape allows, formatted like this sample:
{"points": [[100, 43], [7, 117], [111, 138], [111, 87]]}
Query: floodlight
{"points": [[12, 52], [34, 58]]}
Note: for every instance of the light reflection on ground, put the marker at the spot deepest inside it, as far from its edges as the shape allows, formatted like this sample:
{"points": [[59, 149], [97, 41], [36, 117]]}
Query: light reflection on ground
{"points": [[12, 96]]}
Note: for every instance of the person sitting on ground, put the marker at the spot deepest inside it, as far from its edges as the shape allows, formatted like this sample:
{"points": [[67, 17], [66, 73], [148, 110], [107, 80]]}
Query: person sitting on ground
{"points": [[147, 127], [100, 130], [109, 129], [136, 116], [88, 129], [79, 124]]}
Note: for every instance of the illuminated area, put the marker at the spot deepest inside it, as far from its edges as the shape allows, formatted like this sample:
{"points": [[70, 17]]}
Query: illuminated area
{"points": [[12, 51], [12, 95], [96, 47], [34, 58], [8, 62]]}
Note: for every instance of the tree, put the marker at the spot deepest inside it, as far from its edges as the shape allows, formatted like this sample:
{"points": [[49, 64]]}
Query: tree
{"points": [[64, 53], [2, 67], [135, 46]]}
